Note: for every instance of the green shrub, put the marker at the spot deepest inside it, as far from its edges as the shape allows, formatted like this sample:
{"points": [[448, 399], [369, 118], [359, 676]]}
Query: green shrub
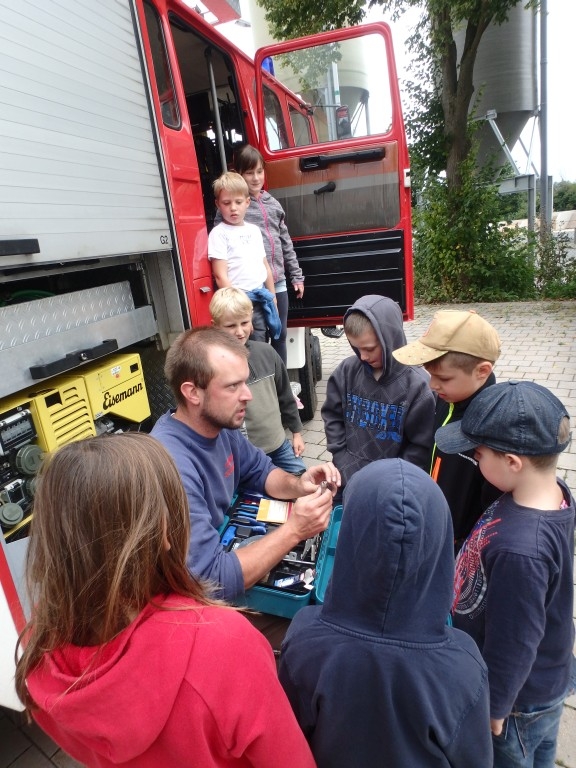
{"points": [[460, 251], [555, 267]]}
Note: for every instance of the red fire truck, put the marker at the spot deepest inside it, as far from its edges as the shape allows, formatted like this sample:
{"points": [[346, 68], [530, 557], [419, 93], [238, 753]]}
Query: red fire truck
{"points": [[116, 118]]}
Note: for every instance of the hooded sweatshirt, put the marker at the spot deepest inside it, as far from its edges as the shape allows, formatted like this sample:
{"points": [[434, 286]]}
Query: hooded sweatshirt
{"points": [[367, 419], [375, 676], [194, 687]]}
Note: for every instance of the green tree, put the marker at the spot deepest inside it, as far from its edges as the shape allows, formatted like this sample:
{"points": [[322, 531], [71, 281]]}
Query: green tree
{"points": [[565, 196], [296, 18]]}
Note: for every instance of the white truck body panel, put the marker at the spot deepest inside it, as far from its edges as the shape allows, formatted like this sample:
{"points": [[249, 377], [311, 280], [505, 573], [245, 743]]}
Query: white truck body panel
{"points": [[78, 162]]}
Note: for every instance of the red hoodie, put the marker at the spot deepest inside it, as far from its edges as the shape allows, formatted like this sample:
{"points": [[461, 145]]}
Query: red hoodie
{"points": [[195, 687]]}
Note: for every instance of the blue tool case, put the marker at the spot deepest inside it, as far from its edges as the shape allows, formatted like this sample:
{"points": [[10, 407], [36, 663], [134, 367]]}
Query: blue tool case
{"points": [[302, 575]]}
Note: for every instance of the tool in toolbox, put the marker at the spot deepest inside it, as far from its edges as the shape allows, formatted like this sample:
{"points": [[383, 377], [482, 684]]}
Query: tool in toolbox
{"points": [[302, 574]]}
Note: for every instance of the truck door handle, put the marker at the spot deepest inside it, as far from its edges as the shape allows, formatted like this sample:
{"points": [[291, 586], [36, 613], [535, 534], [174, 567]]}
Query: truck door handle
{"points": [[73, 359], [330, 187]]}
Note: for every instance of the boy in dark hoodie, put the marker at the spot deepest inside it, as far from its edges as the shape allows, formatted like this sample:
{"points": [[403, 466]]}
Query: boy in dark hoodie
{"points": [[375, 407], [375, 675]]}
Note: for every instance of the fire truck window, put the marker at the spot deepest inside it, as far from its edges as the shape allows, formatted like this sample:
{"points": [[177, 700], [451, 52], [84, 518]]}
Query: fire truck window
{"points": [[344, 86], [162, 72], [300, 127], [276, 133]]}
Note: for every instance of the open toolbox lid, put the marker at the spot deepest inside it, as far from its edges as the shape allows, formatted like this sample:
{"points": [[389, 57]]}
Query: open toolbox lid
{"points": [[326, 556]]}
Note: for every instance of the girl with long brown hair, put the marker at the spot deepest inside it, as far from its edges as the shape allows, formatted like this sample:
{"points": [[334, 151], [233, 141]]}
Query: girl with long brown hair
{"points": [[126, 659]]}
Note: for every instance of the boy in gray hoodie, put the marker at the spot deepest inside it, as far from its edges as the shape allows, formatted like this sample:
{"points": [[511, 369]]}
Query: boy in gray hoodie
{"points": [[375, 407]]}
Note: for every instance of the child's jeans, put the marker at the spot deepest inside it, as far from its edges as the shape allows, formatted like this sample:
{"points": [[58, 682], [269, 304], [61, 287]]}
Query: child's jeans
{"points": [[285, 458], [528, 738]]}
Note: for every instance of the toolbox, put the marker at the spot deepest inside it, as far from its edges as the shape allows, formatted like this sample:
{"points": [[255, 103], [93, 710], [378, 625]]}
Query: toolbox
{"points": [[300, 578]]}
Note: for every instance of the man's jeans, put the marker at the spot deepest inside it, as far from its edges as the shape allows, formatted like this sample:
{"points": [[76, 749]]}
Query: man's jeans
{"points": [[528, 738], [285, 458]]}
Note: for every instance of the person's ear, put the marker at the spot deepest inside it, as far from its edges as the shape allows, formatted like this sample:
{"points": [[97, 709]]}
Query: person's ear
{"points": [[484, 369], [190, 392], [513, 462]]}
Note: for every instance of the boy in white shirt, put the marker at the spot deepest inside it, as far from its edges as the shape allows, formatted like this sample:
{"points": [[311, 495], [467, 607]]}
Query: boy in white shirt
{"points": [[236, 250]]}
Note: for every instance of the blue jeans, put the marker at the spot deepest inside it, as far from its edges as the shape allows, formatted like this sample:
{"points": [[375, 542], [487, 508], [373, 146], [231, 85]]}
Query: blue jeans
{"points": [[528, 738], [285, 458]]}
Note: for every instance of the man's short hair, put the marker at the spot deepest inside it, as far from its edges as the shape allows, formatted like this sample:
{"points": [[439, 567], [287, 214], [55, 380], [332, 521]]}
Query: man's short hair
{"points": [[187, 358], [231, 302], [230, 182], [356, 323], [459, 360]]}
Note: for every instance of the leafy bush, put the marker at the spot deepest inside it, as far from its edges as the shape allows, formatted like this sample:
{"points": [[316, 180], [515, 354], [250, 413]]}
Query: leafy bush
{"points": [[460, 252], [555, 267]]}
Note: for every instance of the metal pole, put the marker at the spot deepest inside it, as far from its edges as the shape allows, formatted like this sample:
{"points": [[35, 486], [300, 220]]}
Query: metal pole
{"points": [[545, 218]]}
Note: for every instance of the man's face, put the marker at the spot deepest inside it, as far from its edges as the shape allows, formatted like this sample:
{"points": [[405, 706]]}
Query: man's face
{"points": [[369, 348], [453, 384], [233, 207], [223, 402], [239, 327]]}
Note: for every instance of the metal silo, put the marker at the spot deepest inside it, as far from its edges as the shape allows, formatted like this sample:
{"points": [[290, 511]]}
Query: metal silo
{"points": [[505, 79]]}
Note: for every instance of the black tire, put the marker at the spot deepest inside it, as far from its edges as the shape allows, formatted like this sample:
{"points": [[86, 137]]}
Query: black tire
{"points": [[316, 359], [308, 394]]}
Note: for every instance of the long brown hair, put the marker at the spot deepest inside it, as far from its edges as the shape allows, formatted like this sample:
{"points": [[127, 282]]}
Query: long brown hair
{"points": [[110, 532]]}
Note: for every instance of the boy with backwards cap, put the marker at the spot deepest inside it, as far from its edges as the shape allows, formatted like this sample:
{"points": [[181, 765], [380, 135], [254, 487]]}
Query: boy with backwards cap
{"points": [[458, 350], [513, 589]]}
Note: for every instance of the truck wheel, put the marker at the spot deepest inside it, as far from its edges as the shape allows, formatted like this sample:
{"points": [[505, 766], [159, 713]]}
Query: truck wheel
{"points": [[308, 394], [316, 359]]}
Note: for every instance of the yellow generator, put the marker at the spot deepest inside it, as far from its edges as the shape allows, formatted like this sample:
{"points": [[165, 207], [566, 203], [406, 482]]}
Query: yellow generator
{"points": [[116, 391], [106, 396]]}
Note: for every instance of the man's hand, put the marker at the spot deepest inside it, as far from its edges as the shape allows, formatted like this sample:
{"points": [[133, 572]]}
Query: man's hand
{"points": [[496, 726], [310, 514], [314, 476]]}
